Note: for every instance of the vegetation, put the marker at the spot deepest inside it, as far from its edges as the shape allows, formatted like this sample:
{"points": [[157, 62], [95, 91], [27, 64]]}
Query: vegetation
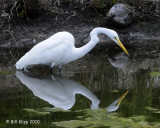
{"points": [[114, 1], [100, 118], [30, 8], [155, 74], [5, 73], [140, 108]]}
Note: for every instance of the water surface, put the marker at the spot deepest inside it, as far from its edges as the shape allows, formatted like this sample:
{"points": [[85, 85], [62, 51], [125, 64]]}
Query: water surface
{"points": [[88, 92]]}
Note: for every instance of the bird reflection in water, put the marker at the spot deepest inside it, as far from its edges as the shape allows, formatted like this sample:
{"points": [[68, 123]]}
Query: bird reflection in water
{"points": [[60, 92], [119, 61], [115, 104]]}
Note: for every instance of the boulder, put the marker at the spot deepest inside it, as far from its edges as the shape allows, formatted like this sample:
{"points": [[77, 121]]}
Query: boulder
{"points": [[122, 14]]}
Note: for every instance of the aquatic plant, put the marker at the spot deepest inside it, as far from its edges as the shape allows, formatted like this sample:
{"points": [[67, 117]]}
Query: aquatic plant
{"points": [[114, 1], [100, 118], [154, 74], [35, 112], [5, 73]]}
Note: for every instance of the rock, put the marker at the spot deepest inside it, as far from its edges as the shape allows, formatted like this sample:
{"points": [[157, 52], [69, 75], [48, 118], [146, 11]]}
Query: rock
{"points": [[122, 14], [119, 61]]}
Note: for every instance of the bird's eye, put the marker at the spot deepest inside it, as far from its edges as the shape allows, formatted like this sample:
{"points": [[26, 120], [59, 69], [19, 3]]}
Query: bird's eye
{"points": [[115, 38]]}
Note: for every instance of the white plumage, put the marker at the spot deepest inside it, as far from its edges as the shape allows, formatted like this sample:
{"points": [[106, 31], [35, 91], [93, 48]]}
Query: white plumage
{"points": [[51, 51], [59, 49], [59, 91]]}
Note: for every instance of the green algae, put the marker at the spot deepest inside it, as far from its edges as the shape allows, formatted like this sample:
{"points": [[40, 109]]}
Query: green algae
{"points": [[151, 108], [157, 112], [5, 72], [154, 74], [54, 109], [44, 111], [114, 91], [35, 112], [101, 118]]}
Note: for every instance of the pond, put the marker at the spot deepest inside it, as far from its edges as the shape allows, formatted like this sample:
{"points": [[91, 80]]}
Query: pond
{"points": [[106, 88]]}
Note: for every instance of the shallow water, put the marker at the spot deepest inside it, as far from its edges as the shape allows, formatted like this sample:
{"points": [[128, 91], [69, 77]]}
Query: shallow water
{"points": [[103, 89]]}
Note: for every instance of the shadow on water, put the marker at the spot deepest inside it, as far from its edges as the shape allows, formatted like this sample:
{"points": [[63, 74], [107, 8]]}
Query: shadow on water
{"points": [[90, 92]]}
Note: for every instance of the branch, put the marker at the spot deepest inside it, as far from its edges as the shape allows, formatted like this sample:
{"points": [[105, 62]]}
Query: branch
{"points": [[25, 10]]}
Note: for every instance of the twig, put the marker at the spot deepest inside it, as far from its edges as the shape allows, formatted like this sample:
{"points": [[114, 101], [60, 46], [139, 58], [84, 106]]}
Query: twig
{"points": [[5, 16], [9, 25], [74, 14], [57, 2], [14, 56], [15, 4], [17, 10], [12, 37], [25, 10], [2, 23]]}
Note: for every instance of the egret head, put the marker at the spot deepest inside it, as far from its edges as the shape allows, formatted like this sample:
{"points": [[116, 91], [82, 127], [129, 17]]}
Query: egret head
{"points": [[114, 36], [110, 33]]}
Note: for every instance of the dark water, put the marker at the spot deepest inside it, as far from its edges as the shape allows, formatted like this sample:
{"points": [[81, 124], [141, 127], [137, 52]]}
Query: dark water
{"points": [[106, 88]]}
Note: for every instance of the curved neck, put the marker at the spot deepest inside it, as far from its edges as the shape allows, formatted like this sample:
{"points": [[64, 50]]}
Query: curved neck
{"points": [[80, 52], [87, 93]]}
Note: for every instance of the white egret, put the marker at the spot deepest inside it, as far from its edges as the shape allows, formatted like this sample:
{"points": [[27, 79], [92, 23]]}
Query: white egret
{"points": [[60, 49]]}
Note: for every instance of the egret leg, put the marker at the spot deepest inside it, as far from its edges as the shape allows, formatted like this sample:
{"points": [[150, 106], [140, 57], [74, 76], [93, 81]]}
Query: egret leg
{"points": [[51, 69], [60, 68], [53, 77], [25, 69]]}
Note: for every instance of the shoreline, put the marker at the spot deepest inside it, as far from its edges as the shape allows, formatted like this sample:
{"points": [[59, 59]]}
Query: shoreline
{"points": [[27, 35]]}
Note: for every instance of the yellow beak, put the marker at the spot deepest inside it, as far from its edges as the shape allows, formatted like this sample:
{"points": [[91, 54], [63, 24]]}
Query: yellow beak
{"points": [[122, 97], [121, 45]]}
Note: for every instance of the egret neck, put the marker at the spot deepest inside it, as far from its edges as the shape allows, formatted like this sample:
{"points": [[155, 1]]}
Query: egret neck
{"points": [[80, 52]]}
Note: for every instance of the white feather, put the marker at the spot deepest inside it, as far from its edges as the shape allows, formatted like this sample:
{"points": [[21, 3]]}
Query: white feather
{"points": [[59, 49]]}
